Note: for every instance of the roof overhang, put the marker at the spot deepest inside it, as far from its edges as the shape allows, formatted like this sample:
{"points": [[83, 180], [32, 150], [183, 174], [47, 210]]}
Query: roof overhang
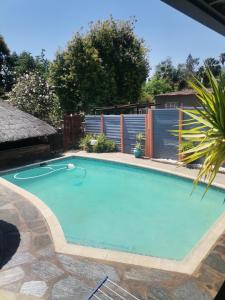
{"points": [[210, 13]]}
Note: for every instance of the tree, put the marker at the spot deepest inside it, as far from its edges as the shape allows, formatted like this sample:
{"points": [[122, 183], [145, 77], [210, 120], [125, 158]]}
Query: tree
{"points": [[157, 86], [105, 66], [4, 57], [222, 58], [34, 95], [166, 70], [181, 77], [207, 132], [42, 64], [24, 63], [191, 65], [214, 66]]}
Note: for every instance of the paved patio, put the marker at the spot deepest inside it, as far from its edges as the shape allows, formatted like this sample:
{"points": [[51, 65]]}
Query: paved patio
{"points": [[30, 265]]}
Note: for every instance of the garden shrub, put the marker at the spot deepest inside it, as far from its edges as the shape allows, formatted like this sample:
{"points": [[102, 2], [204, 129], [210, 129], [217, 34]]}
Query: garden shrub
{"points": [[85, 142], [102, 144]]}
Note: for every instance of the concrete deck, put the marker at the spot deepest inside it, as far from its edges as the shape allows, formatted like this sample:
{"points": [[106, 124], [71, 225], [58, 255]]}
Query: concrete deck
{"points": [[33, 267]]}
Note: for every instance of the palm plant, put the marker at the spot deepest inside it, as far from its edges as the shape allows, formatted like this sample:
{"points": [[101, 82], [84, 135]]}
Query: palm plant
{"points": [[206, 129]]}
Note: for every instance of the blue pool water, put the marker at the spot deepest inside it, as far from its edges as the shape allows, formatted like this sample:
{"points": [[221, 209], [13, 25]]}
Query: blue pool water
{"points": [[116, 206]]}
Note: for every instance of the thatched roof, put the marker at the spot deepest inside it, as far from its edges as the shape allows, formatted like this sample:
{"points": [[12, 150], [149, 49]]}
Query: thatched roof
{"points": [[17, 125]]}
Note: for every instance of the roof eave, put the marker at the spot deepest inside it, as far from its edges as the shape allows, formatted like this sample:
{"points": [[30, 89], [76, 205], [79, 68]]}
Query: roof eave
{"points": [[208, 16]]}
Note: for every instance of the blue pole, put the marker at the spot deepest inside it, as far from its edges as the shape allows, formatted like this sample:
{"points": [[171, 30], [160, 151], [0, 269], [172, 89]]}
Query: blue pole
{"points": [[97, 287]]}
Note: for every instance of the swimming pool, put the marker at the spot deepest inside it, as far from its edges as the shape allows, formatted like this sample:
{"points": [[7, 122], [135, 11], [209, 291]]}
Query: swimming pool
{"points": [[121, 207]]}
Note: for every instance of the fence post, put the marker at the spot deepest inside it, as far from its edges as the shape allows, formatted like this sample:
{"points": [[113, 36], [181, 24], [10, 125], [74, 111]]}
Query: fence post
{"points": [[149, 134], [180, 125], [102, 124], [122, 133], [146, 136]]}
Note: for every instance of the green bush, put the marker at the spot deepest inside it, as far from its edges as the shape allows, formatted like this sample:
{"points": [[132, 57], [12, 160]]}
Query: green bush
{"points": [[85, 143], [101, 145], [104, 145]]}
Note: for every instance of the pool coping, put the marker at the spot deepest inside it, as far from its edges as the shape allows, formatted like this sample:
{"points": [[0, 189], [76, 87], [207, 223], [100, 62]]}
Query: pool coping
{"points": [[187, 266]]}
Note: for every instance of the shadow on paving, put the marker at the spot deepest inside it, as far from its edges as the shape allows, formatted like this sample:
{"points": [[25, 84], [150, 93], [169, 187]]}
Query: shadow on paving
{"points": [[9, 241]]}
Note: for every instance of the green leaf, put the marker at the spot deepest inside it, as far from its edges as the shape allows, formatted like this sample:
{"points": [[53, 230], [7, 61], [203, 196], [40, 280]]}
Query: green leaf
{"points": [[207, 132]]}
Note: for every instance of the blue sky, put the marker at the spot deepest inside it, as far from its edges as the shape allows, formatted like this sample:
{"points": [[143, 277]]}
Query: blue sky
{"points": [[35, 24]]}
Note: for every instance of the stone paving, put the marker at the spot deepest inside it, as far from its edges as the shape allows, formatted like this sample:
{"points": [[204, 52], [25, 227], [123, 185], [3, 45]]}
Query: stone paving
{"points": [[35, 269]]}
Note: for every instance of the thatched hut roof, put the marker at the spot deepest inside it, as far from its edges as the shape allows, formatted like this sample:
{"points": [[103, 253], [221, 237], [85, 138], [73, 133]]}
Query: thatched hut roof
{"points": [[17, 125]]}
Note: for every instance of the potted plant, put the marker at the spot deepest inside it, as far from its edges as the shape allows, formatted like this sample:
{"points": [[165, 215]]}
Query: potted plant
{"points": [[138, 145]]}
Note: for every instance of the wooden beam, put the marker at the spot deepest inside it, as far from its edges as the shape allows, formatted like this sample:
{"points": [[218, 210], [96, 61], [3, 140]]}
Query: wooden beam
{"points": [[149, 134], [102, 124]]}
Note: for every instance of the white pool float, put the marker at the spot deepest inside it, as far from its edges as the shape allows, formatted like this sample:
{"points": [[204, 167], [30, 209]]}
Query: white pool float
{"points": [[70, 166]]}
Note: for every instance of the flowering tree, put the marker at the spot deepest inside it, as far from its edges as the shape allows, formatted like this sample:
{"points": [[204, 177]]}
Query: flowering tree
{"points": [[34, 95]]}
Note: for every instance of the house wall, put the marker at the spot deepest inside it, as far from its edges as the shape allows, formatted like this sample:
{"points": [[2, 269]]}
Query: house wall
{"points": [[180, 100], [23, 155]]}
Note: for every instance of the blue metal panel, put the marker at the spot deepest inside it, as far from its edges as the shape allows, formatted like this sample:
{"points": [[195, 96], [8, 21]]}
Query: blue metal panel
{"points": [[112, 128], [165, 145], [133, 124], [92, 124]]}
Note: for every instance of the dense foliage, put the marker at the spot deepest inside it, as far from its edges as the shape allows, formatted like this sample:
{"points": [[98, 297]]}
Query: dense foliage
{"points": [[105, 66], [169, 78], [34, 95], [97, 144], [157, 86], [4, 59], [13, 65]]}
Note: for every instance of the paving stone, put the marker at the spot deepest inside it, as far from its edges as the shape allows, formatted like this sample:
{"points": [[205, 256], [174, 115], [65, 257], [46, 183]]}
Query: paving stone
{"points": [[159, 293], [34, 288], [70, 288], [41, 241], [40, 229], [151, 275], [36, 224], [20, 258], [8, 295], [10, 216], [11, 275], [87, 269], [28, 212], [25, 241], [190, 291], [46, 252], [9, 195], [216, 262], [209, 278], [13, 287], [6, 206], [3, 200], [220, 249], [46, 270]]}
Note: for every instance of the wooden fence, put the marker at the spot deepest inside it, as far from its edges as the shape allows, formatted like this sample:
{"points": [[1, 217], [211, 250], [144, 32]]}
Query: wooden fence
{"points": [[71, 131]]}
